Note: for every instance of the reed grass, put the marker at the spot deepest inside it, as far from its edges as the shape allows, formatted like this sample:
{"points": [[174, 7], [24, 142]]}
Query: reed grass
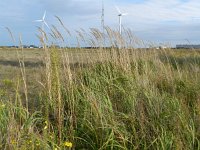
{"points": [[125, 98]]}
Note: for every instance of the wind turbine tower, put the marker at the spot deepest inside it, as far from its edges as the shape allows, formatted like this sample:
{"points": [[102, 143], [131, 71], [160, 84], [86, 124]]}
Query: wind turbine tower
{"points": [[120, 19]]}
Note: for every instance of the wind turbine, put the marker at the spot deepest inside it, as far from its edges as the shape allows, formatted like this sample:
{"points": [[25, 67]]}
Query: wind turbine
{"points": [[120, 19], [43, 23]]}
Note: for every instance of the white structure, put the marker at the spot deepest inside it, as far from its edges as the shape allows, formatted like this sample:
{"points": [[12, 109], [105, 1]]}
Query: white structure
{"points": [[43, 23], [120, 19]]}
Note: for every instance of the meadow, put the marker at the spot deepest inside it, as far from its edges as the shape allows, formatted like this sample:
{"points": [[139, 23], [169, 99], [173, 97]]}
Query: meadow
{"points": [[114, 98]]}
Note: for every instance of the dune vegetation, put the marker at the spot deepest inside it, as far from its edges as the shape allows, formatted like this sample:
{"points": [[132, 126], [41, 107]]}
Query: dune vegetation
{"points": [[119, 97]]}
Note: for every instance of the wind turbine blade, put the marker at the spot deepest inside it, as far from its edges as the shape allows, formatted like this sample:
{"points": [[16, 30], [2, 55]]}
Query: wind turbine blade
{"points": [[44, 15], [38, 20], [46, 24], [124, 14], [118, 9]]}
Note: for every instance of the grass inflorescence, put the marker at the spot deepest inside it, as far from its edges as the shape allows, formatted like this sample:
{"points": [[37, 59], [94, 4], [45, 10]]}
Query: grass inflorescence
{"points": [[104, 98]]}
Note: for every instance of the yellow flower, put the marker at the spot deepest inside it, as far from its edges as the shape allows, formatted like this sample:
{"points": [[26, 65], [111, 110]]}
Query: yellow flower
{"points": [[68, 144], [37, 143], [13, 142], [45, 127], [3, 105], [46, 122], [55, 149]]}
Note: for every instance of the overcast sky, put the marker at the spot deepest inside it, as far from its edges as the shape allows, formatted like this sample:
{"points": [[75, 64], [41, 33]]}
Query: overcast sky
{"points": [[170, 21]]}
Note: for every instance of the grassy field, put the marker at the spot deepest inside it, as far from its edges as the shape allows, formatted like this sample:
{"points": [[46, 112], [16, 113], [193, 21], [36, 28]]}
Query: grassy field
{"points": [[99, 99]]}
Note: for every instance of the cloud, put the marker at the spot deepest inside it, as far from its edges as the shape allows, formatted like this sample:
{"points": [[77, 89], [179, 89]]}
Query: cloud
{"points": [[71, 7], [156, 10], [149, 19]]}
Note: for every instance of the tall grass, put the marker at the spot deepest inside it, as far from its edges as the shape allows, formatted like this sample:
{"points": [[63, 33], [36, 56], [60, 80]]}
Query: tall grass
{"points": [[125, 98]]}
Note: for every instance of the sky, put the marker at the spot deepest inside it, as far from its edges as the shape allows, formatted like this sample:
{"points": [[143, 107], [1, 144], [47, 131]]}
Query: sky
{"points": [[156, 21]]}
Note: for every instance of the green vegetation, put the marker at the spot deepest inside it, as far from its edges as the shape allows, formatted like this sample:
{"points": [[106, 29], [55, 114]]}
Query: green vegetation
{"points": [[106, 99]]}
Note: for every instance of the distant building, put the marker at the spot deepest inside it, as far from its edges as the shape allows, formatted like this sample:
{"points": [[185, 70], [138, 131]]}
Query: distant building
{"points": [[187, 46]]}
